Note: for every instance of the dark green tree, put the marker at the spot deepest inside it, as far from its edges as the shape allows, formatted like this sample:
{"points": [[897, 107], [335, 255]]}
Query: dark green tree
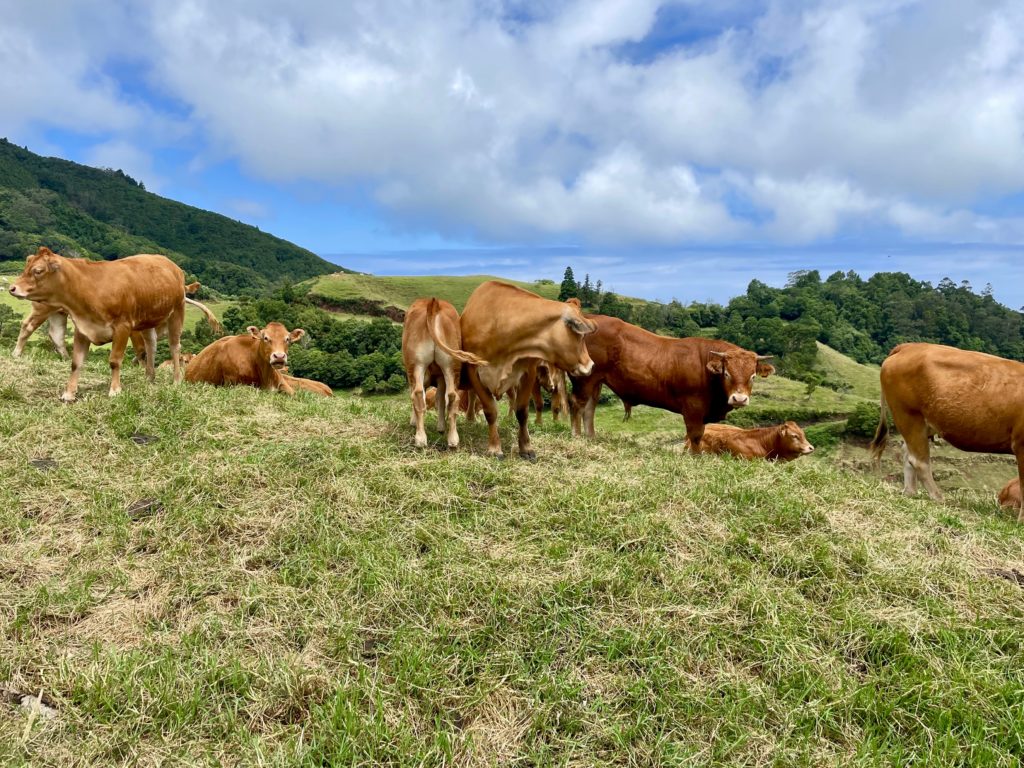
{"points": [[569, 289]]}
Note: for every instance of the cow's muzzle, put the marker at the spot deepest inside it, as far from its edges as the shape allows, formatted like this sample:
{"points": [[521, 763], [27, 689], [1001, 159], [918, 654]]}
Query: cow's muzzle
{"points": [[737, 400], [278, 360], [16, 292], [583, 370]]}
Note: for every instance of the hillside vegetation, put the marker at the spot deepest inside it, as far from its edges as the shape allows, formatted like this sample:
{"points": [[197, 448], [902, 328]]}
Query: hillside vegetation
{"points": [[78, 210], [194, 575]]}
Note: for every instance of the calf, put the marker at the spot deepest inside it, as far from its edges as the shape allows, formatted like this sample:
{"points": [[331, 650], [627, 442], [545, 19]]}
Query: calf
{"points": [[971, 400], [1010, 495], [783, 442], [184, 357], [107, 300], [431, 341], [702, 379], [309, 385], [254, 359], [515, 330]]}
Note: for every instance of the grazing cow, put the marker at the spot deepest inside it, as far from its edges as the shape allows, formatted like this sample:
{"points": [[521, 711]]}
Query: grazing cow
{"points": [[107, 300], [783, 442], [58, 327], [515, 330], [1010, 495], [431, 341], [971, 400], [702, 379], [253, 359]]}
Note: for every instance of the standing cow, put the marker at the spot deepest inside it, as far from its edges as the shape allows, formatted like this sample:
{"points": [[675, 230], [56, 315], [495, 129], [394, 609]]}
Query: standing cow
{"points": [[702, 379], [431, 341], [107, 300], [971, 400], [514, 330]]}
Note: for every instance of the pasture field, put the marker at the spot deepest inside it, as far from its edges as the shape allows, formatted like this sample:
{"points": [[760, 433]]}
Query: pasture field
{"points": [[226, 577], [400, 292]]}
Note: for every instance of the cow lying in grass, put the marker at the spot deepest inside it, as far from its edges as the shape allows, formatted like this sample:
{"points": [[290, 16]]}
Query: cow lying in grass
{"points": [[254, 359], [1010, 495], [783, 442]]}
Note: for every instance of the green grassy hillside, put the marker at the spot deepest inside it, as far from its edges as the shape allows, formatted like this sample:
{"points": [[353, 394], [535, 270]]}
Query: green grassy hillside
{"points": [[861, 379], [283, 581], [354, 290]]}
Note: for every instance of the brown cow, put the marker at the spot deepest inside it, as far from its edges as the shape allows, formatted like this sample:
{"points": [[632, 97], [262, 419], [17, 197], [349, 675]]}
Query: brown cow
{"points": [[971, 400], [309, 385], [702, 379], [254, 359], [515, 330], [431, 341], [57, 330], [783, 442], [107, 300], [184, 357], [138, 342], [1010, 495]]}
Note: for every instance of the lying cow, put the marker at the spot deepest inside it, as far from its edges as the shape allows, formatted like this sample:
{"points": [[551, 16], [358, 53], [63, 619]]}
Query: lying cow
{"points": [[432, 354], [514, 330], [971, 400], [309, 385], [185, 357], [702, 379], [783, 442], [1010, 495], [254, 359], [107, 300]]}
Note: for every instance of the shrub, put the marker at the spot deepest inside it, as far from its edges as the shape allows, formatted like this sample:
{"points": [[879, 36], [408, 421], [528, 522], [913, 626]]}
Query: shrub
{"points": [[863, 421]]}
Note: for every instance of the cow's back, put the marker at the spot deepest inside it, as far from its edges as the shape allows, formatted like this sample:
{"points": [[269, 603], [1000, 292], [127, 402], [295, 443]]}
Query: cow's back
{"points": [[973, 400], [145, 288]]}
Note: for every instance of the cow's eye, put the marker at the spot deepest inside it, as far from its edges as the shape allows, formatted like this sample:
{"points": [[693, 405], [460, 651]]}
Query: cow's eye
{"points": [[728, 375], [266, 338], [38, 271], [752, 378]]}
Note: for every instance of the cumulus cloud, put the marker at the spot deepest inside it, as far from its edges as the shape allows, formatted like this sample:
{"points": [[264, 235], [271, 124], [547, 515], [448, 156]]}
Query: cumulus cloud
{"points": [[577, 121]]}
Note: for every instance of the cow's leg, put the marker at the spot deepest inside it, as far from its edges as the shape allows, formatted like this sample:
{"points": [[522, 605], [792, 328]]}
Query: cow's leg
{"points": [[524, 393], [1018, 450], [440, 403], [915, 435], [538, 400], [79, 350], [138, 347], [28, 327], [694, 432], [589, 409], [174, 326], [472, 404], [57, 331], [419, 404], [448, 394], [490, 408], [513, 396], [117, 348], [149, 344]]}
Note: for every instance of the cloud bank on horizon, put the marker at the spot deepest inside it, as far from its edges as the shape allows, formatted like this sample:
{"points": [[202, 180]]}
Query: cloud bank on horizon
{"points": [[639, 125]]}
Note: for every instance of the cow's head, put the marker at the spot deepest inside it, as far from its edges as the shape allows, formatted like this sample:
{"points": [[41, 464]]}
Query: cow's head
{"points": [[42, 272], [274, 341], [185, 358], [568, 351], [546, 376], [794, 441], [737, 367]]}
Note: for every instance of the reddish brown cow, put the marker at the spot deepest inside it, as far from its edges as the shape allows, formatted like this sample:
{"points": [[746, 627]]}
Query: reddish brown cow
{"points": [[971, 400], [1010, 495], [431, 341], [107, 300], [254, 359], [783, 442], [515, 330], [702, 379]]}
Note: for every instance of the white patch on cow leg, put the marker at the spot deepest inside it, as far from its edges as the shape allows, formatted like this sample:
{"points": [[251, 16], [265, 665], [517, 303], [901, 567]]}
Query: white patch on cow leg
{"points": [[57, 331], [117, 348], [909, 475], [78, 353], [451, 403], [419, 406]]}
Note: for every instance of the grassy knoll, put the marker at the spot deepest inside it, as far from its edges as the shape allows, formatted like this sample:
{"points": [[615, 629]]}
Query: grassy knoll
{"points": [[400, 292], [308, 589], [862, 379]]}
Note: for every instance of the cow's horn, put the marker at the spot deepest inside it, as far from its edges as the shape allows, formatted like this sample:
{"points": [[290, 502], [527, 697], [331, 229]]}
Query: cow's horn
{"points": [[713, 352], [765, 357]]}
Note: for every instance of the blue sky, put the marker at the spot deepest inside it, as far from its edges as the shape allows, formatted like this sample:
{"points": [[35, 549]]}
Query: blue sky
{"points": [[673, 149]]}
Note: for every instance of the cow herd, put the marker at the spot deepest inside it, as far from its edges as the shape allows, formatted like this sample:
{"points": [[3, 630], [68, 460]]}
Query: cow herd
{"points": [[509, 341]]}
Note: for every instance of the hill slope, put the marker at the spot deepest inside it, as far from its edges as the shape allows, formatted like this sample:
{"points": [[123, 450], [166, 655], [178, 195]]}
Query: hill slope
{"points": [[105, 214], [289, 578]]}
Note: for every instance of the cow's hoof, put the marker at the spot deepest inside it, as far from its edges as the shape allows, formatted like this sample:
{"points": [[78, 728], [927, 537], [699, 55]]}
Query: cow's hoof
{"points": [[420, 442], [528, 455], [67, 397], [498, 456], [16, 354], [113, 392]]}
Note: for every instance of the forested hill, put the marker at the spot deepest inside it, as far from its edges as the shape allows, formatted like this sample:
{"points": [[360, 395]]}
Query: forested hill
{"points": [[75, 209]]}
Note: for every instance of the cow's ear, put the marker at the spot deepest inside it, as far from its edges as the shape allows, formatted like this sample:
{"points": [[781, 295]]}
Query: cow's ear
{"points": [[579, 325], [575, 302], [716, 366], [44, 251], [53, 265], [191, 288], [254, 331], [764, 370], [297, 334]]}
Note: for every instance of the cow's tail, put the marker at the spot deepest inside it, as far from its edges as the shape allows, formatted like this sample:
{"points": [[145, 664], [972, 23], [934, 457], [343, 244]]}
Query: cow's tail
{"points": [[433, 312], [881, 433], [214, 322]]}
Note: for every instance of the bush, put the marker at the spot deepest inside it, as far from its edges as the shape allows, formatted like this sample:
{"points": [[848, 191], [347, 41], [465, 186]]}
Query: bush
{"points": [[863, 421]]}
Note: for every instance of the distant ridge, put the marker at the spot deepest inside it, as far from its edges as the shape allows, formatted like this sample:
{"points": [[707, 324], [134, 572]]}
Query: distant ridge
{"points": [[102, 213]]}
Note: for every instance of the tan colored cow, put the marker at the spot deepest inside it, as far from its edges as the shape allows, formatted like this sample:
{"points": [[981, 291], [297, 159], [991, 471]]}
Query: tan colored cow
{"points": [[253, 359], [107, 300], [185, 357], [971, 400], [783, 442], [1010, 495], [514, 330], [309, 385], [432, 354], [138, 342]]}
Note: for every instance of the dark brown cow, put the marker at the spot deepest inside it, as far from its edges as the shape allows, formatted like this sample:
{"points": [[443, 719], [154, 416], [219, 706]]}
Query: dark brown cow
{"points": [[254, 359], [702, 379], [514, 330], [431, 341], [1010, 495], [107, 300], [783, 442], [971, 400]]}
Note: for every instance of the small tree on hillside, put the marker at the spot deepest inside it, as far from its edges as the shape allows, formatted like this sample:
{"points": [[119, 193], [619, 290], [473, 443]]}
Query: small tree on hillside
{"points": [[569, 288]]}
